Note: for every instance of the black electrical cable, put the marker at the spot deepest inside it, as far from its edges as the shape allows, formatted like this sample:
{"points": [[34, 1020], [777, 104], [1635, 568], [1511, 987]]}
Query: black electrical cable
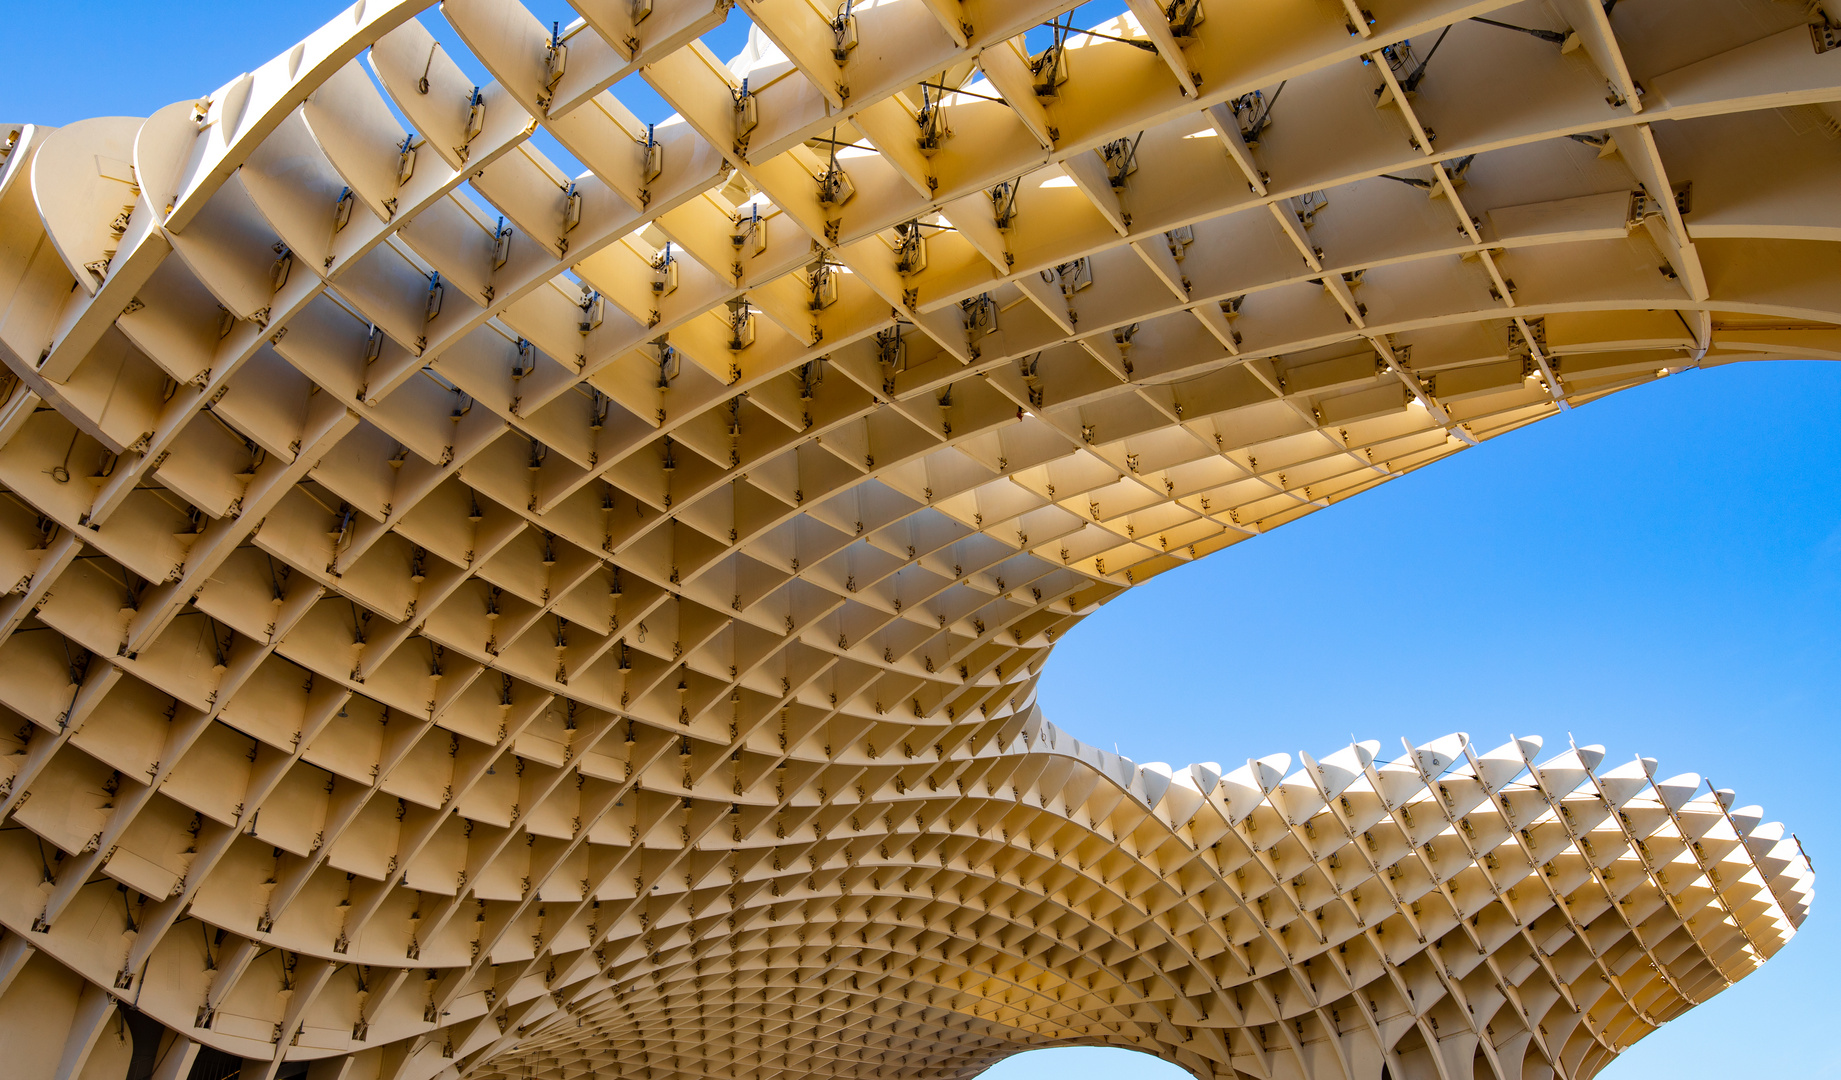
{"points": [[1411, 82], [1131, 155], [835, 143], [1136, 43], [1008, 194], [944, 89], [1259, 125], [1553, 36]]}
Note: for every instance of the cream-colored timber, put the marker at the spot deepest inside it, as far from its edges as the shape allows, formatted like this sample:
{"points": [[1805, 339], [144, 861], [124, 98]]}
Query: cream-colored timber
{"points": [[464, 620]]}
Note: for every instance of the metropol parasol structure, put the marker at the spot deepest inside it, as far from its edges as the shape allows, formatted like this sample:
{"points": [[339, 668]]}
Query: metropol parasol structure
{"points": [[470, 616]]}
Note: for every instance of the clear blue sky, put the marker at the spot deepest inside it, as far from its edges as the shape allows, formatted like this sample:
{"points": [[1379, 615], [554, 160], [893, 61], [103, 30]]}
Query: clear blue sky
{"points": [[1659, 572]]}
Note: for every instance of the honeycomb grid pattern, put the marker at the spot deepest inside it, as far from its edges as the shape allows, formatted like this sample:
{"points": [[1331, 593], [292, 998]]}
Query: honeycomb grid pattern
{"points": [[588, 626]]}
